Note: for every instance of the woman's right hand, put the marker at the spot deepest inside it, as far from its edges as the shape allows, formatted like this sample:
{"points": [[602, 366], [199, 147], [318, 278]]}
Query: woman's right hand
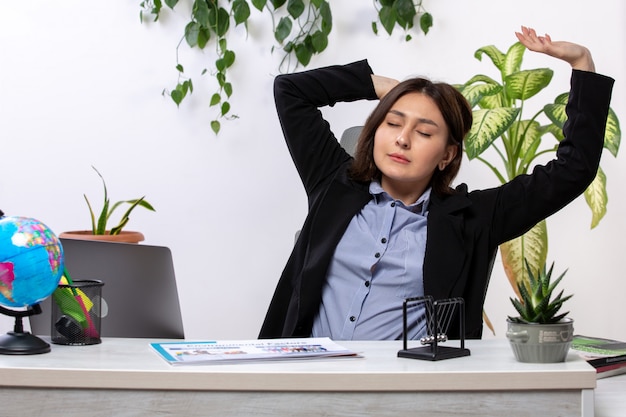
{"points": [[576, 55]]}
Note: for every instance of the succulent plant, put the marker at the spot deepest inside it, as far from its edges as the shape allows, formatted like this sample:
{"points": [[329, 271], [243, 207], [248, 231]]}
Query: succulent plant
{"points": [[534, 304]]}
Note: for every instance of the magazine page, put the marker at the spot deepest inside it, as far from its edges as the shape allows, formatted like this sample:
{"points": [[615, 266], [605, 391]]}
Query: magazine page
{"points": [[595, 347], [232, 351]]}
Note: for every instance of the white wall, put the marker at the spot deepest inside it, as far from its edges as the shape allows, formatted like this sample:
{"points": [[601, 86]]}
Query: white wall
{"points": [[81, 82]]}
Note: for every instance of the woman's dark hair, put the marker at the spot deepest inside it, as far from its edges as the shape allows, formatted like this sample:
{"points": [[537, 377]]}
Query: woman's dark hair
{"points": [[456, 112]]}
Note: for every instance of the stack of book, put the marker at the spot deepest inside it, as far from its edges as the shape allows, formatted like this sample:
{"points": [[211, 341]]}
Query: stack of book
{"points": [[607, 356]]}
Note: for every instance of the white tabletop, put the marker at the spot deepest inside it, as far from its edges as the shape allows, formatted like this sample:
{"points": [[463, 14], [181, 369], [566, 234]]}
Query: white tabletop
{"points": [[131, 363]]}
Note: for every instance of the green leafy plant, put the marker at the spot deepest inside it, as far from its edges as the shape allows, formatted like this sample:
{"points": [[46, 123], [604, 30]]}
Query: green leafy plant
{"points": [[99, 227], [535, 303], [300, 29], [402, 13], [516, 140]]}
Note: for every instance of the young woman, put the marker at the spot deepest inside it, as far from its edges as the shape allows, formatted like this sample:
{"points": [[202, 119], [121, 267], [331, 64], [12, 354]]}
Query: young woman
{"points": [[386, 225]]}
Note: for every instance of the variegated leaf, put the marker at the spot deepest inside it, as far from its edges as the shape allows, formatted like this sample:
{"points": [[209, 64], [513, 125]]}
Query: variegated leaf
{"points": [[488, 125], [496, 56], [513, 59], [597, 198], [561, 98], [613, 133], [532, 246], [527, 135], [556, 131], [493, 102], [522, 85], [556, 113], [475, 92]]}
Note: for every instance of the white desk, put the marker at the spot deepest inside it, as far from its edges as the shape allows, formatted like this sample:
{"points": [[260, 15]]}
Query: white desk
{"points": [[124, 377]]}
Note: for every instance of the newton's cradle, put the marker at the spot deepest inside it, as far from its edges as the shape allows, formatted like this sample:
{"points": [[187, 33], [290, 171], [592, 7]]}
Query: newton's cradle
{"points": [[439, 316]]}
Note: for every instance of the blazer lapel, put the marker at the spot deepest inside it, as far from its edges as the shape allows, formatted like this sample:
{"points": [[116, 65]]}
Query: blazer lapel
{"points": [[446, 246]]}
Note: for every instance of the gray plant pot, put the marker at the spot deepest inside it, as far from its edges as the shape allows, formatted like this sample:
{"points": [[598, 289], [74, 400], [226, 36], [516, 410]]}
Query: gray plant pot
{"points": [[540, 343]]}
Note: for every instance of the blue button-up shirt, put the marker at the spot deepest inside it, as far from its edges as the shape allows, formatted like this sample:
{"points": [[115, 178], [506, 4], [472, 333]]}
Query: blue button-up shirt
{"points": [[376, 265]]}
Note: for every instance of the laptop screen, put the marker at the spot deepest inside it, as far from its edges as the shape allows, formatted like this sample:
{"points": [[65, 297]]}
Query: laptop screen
{"points": [[139, 288]]}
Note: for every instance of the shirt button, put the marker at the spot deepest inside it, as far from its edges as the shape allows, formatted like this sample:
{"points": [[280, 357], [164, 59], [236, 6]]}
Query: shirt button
{"points": [[367, 283], [383, 240], [377, 255], [352, 318], [393, 204]]}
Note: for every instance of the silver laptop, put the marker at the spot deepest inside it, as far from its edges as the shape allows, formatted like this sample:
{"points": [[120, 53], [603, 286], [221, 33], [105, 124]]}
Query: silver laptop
{"points": [[139, 288]]}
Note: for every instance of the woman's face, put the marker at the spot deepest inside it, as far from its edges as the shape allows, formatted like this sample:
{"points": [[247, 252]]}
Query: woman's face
{"points": [[410, 143]]}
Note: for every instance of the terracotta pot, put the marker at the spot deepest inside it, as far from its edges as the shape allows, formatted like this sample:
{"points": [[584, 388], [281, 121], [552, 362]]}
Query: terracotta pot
{"points": [[123, 237]]}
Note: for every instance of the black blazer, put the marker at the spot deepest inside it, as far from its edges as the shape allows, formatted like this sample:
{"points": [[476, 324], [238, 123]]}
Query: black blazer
{"points": [[464, 229]]}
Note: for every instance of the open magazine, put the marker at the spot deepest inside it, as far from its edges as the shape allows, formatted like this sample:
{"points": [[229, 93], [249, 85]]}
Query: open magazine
{"points": [[233, 351]]}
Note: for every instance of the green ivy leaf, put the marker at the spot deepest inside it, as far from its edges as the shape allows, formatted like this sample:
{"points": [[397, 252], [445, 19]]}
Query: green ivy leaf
{"points": [[405, 13], [259, 4], [387, 17], [283, 29], [241, 11], [295, 8], [319, 41], [215, 126], [303, 53], [229, 58], [171, 3], [327, 17], [180, 68], [278, 3], [228, 89], [203, 37], [200, 12], [426, 22], [225, 108], [215, 99], [192, 30], [177, 96]]}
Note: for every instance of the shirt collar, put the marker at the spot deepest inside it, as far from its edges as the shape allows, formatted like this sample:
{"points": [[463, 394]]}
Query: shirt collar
{"points": [[419, 207]]}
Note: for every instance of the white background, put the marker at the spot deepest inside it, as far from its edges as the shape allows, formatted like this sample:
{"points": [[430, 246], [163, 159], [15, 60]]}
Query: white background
{"points": [[81, 83]]}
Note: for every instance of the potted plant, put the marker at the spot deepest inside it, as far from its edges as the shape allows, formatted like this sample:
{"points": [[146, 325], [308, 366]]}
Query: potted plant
{"points": [[99, 228], [516, 141], [541, 333]]}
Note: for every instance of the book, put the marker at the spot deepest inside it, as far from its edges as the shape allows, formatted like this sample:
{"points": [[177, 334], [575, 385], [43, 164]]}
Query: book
{"points": [[607, 356], [233, 351]]}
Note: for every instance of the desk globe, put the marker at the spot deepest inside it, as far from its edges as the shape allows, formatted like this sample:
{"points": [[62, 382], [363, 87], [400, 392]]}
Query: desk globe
{"points": [[31, 265]]}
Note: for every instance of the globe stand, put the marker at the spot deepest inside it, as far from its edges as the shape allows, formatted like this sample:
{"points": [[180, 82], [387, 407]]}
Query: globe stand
{"points": [[19, 342]]}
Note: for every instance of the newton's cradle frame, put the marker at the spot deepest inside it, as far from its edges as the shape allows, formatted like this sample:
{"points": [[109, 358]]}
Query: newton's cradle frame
{"points": [[439, 316]]}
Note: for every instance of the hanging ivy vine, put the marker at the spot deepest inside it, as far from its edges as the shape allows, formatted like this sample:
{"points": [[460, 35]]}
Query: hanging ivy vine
{"points": [[300, 28]]}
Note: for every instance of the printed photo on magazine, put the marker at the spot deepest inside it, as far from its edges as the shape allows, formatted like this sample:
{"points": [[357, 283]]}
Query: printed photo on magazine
{"points": [[233, 351]]}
